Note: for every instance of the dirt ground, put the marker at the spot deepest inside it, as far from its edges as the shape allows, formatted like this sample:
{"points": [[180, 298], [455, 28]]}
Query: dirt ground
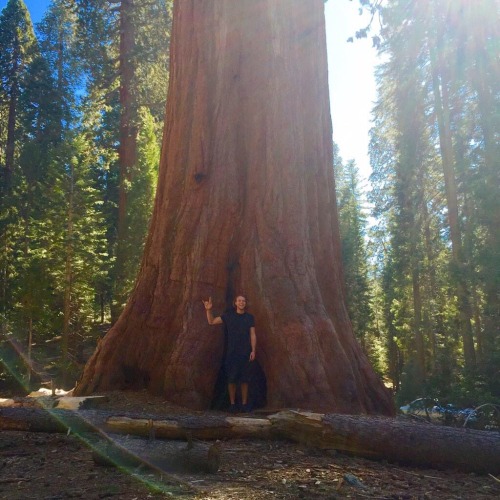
{"points": [[57, 466]]}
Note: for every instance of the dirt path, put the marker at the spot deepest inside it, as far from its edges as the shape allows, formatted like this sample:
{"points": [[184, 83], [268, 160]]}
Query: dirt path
{"points": [[49, 466]]}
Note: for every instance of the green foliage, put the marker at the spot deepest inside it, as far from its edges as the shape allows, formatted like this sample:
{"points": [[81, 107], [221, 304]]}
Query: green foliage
{"points": [[411, 388], [139, 66], [57, 34], [59, 209], [140, 195], [19, 48], [78, 227], [18, 43], [358, 284], [435, 56], [352, 230]]}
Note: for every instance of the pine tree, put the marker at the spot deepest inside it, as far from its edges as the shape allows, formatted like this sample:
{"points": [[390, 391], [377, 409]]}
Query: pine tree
{"points": [[57, 33], [478, 36], [430, 148], [19, 47], [18, 50], [354, 255], [136, 36], [77, 249]]}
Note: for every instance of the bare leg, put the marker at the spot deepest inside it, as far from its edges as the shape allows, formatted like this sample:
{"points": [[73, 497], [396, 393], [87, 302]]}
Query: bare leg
{"points": [[232, 393], [244, 394]]}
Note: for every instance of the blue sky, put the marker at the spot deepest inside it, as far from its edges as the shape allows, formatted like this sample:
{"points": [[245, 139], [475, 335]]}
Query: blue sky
{"points": [[350, 66], [352, 84]]}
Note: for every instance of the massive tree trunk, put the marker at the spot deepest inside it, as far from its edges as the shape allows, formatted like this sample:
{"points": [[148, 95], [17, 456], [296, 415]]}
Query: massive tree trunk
{"points": [[245, 202]]}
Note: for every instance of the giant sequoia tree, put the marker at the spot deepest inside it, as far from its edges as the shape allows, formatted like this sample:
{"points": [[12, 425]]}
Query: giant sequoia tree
{"points": [[245, 201]]}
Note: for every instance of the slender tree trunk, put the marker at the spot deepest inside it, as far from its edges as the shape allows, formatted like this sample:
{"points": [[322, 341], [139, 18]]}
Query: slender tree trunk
{"points": [[430, 324], [414, 262], [102, 303], [30, 345], [417, 323], [446, 146], [416, 259], [11, 128], [491, 211], [6, 180], [127, 151], [483, 75], [5, 275], [409, 182], [245, 201], [394, 355], [474, 285], [60, 76], [68, 276]]}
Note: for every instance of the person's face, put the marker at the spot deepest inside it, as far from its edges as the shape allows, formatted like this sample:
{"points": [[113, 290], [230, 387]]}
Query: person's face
{"points": [[240, 302]]}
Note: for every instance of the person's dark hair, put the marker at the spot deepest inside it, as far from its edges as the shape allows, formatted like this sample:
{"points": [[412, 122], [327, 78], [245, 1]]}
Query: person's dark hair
{"points": [[239, 295]]}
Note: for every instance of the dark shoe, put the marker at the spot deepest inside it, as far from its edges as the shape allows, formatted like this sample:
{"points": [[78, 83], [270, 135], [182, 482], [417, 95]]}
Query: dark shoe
{"points": [[246, 408], [233, 409]]}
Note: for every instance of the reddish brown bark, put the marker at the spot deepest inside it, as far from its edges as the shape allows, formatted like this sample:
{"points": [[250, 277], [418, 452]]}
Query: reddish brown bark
{"points": [[127, 151], [394, 440], [245, 201]]}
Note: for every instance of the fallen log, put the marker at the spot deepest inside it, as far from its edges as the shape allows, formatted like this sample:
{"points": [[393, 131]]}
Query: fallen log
{"points": [[204, 427], [107, 450], [378, 438], [394, 440], [167, 456], [198, 426], [43, 420], [158, 455], [44, 399]]}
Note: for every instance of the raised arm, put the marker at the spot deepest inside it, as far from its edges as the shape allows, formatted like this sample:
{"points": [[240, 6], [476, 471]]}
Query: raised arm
{"points": [[210, 317]]}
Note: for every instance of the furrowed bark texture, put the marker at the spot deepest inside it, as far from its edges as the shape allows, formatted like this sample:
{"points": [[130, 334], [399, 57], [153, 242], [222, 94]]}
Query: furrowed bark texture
{"points": [[245, 202]]}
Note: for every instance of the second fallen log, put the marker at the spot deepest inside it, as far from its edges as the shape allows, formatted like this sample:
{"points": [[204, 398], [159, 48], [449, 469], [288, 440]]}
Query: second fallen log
{"points": [[394, 440], [168, 456]]}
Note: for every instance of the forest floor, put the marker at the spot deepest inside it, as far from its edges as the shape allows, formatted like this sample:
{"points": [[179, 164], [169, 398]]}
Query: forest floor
{"points": [[58, 467]]}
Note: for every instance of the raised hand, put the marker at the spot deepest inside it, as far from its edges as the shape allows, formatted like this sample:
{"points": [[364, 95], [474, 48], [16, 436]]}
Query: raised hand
{"points": [[208, 303]]}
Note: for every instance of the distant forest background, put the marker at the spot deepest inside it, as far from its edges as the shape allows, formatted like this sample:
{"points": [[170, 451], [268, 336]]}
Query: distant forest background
{"points": [[82, 102]]}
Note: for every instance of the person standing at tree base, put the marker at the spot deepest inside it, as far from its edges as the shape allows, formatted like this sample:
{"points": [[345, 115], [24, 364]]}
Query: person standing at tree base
{"points": [[241, 345]]}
